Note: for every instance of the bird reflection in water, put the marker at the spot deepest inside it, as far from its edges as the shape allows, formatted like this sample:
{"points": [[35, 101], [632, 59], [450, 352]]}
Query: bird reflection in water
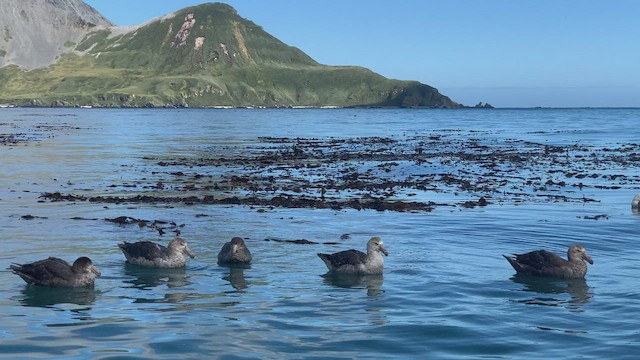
{"points": [[236, 277], [145, 278], [553, 291], [44, 296], [373, 283], [148, 279]]}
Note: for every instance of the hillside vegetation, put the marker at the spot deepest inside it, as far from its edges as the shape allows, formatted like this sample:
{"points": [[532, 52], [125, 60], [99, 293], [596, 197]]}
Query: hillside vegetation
{"points": [[202, 56]]}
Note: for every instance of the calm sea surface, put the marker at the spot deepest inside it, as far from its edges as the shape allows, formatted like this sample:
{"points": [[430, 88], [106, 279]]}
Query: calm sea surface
{"points": [[446, 291]]}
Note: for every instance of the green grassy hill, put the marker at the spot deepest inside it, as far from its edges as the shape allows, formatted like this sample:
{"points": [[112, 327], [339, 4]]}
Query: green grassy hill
{"points": [[202, 56]]}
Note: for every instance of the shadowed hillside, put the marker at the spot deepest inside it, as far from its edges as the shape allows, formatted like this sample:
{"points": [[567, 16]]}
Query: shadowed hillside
{"points": [[33, 33]]}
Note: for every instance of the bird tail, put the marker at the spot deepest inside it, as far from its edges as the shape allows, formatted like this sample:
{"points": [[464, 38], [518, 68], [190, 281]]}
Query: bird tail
{"points": [[325, 258], [516, 266], [14, 267]]}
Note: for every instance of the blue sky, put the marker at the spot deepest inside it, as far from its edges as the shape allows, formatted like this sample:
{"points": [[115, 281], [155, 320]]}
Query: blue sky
{"points": [[510, 53]]}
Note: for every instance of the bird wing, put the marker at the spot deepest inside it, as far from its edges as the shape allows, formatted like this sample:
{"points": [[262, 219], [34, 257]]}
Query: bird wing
{"points": [[347, 257], [540, 260], [145, 249], [224, 252], [48, 269]]}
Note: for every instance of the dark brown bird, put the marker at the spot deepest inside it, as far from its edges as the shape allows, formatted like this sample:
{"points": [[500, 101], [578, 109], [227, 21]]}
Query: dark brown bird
{"points": [[150, 254], [234, 252], [56, 272], [545, 263]]}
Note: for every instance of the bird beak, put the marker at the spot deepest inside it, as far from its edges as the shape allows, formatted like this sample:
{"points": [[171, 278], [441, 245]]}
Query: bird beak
{"points": [[587, 258], [189, 252], [95, 271], [383, 250]]}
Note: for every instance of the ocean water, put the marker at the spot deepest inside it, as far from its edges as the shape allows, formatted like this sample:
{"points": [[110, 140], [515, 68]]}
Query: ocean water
{"points": [[446, 292]]}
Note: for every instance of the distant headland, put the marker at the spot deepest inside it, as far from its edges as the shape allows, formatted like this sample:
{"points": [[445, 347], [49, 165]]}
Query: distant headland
{"points": [[66, 54]]}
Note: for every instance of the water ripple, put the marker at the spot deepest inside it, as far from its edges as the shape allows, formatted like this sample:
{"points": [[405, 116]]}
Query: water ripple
{"points": [[446, 292]]}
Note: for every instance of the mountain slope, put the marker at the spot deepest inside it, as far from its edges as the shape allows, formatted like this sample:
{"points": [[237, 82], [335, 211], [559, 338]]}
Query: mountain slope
{"points": [[205, 55], [33, 33]]}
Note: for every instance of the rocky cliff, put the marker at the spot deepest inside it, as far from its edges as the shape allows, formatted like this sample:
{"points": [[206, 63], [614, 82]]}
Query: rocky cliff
{"points": [[34, 33], [200, 56]]}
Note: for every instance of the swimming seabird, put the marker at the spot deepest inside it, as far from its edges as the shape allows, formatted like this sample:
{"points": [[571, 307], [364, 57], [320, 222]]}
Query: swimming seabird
{"points": [[357, 262], [545, 263], [56, 272], [234, 252], [150, 254], [635, 203]]}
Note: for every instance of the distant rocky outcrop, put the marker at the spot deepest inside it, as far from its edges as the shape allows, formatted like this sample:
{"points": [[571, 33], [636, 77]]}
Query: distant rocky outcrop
{"points": [[34, 33], [201, 56], [483, 106]]}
